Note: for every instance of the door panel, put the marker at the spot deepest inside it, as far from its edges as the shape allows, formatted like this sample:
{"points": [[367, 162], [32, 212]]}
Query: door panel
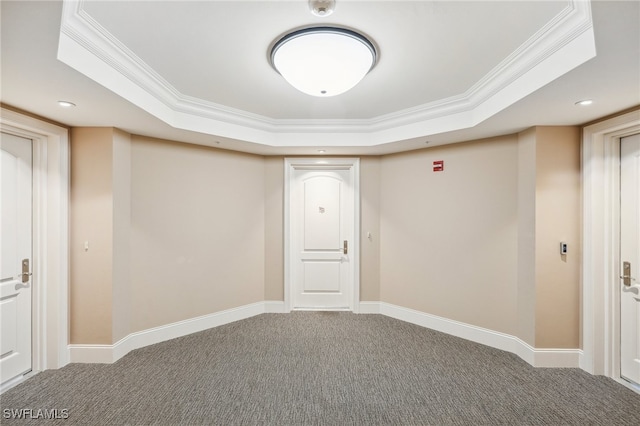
{"points": [[630, 252], [15, 231], [321, 276], [321, 215]]}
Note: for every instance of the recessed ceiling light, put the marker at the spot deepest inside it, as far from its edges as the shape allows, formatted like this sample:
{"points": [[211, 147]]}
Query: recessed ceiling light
{"points": [[66, 104], [584, 102], [323, 61], [321, 151]]}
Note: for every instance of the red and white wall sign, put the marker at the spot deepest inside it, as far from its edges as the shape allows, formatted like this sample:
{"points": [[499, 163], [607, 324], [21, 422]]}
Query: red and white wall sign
{"points": [[438, 166]]}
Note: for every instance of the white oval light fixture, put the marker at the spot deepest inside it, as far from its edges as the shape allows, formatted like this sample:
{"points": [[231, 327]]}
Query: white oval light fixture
{"points": [[323, 61], [584, 102], [66, 104]]}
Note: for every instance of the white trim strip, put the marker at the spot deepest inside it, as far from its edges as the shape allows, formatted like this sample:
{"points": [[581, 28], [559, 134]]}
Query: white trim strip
{"points": [[112, 353], [369, 307], [562, 358], [274, 307], [548, 357]]}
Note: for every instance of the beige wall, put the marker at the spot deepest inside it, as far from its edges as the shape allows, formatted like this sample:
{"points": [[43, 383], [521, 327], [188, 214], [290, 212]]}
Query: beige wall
{"points": [[557, 219], [274, 228], [91, 217], [549, 213], [177, 231], [121, 287], [197, 231], [100, 216], [370, 222], [449, 239], [526, 303], [479, 242]]}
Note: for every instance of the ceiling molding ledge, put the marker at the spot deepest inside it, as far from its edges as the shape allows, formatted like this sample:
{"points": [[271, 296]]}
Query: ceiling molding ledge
{"points": [[564, 43]]}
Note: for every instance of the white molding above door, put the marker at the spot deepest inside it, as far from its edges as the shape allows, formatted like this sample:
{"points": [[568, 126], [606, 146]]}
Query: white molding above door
{"points": [[292, 164]]}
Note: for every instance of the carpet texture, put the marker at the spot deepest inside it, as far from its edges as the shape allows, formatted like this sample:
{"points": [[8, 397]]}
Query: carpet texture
{"points": [[322, 368]]}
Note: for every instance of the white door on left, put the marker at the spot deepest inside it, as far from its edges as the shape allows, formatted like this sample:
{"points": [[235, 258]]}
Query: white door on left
{"points": [[15, 256]]}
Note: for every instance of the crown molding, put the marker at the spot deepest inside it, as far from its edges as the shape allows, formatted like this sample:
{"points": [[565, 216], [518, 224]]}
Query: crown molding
{"points": [[562, 44]]}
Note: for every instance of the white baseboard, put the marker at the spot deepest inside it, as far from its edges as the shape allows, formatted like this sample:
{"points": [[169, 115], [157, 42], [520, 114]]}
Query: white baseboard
{"points": [[565, 358], [552, 358], [274, 307], [112, 353], [99, 354], [369, 308]]}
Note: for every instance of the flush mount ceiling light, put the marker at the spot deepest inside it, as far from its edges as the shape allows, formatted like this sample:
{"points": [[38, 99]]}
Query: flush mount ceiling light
{"points": [[66, 104], [323, 61], [584, 102]]}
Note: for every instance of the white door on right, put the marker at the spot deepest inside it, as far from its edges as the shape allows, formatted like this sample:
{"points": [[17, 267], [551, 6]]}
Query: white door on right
{"points": [[630, 258]]}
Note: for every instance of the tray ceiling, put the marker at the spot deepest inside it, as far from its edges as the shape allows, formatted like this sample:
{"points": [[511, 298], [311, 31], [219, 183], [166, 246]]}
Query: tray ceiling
{"points": [[446, 68]]}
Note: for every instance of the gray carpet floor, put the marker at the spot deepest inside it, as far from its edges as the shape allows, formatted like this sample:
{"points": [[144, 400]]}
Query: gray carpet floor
{"points": [[323, 368]]}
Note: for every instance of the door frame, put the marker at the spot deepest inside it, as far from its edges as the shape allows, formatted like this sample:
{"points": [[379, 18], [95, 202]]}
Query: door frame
{"points": [[601, 243], [315, 163], [50, 249]]}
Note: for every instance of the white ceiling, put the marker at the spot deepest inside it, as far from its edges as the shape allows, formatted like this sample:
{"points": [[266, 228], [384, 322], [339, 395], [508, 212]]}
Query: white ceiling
{"points": [[198, 71]]}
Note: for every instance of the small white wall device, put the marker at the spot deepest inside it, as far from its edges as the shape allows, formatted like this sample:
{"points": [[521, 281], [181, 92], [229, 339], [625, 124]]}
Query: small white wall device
{"points": [[563, 248]]}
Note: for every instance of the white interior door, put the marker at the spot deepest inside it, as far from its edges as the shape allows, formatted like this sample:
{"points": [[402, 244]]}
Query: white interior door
{"points": [[15, 254], [323, 238], [630, 257]]}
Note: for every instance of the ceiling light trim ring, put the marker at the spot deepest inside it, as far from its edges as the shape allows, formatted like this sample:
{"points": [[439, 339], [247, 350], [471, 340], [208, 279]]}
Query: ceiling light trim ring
{"points": [[324, 30]]}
